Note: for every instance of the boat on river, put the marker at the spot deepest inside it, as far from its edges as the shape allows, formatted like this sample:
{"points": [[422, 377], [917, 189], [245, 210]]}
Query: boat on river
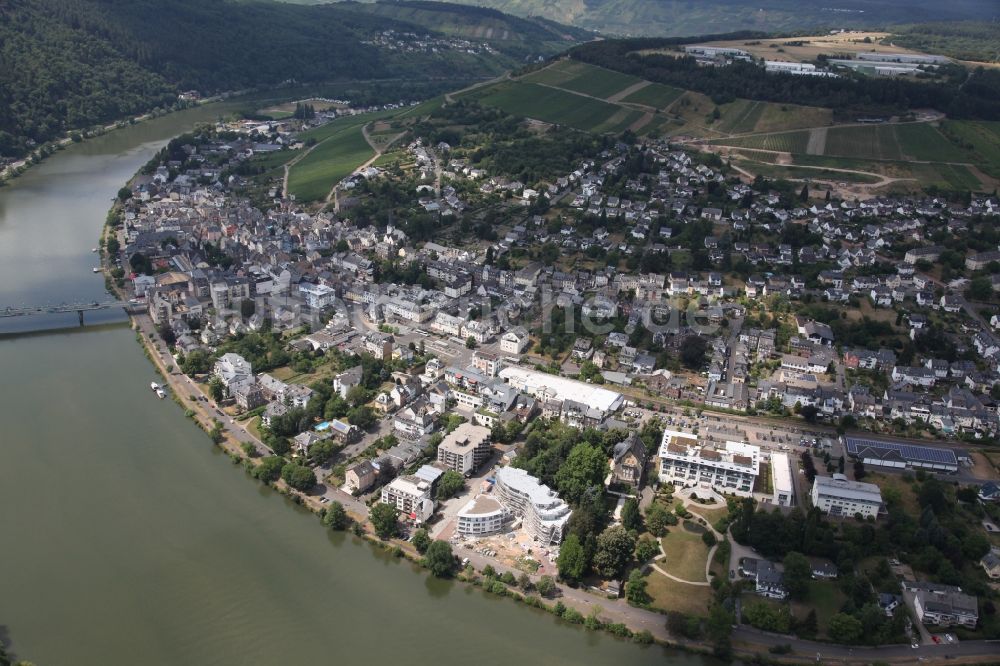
{"points": [[154, 386]]}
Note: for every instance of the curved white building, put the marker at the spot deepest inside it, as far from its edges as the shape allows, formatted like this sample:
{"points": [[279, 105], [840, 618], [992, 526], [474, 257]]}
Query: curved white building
{"points": [[543, 513], [481, 516]]}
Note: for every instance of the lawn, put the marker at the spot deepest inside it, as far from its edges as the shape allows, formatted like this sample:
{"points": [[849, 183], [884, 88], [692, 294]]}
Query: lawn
{"points": [[656, 95], [312, 178], [686, 554], [669, 595], [894, 483], [826, 598], [550, 105]]}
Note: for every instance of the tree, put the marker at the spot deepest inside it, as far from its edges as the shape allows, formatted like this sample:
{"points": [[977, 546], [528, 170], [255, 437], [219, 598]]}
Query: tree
{"points": [[844, 628], [216, 389], [269, 469], [321, 452], [421, 540], [572, 561], [658, 518], [797, 575], [692, 352], [124, 194], [363, 417], [298, 477], [166, 334], [335, 518], [708, 536], [450, 484], [383, 518], [809, 413], [646, 549], [809, 626], [631, 518], [524, 582], [439, 559], [357, 396], [546, 586], [470, 342], [586, 465], [614, 550], [635, 589], [980, 289]]}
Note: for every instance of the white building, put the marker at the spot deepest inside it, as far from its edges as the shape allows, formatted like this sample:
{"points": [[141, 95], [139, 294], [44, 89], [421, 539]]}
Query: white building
{"points": [[317, 296], [465, 448], [514, 341], [943, 605], [411, 495], [550, 387], [839, 496], [781, 478], [543, 514], [482, 515], [732, 470], [235, 372]]}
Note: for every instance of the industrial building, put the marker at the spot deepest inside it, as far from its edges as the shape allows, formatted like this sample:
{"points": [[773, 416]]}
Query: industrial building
{"points": [[900, 455]]}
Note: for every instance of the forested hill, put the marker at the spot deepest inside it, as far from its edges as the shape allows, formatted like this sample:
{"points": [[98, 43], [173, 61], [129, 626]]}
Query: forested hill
{"points": [[960, 94], [68, 64]]}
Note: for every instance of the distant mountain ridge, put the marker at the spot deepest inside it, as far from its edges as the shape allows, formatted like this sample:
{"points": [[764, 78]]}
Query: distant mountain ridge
{"points": [[70, 64], [675, 18]]}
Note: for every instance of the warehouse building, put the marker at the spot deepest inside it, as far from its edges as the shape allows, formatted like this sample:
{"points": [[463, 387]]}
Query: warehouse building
{"points": [[900, 455]]}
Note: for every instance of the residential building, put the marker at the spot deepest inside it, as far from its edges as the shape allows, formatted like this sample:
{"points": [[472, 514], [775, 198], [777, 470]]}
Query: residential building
{"points": [[943, 605], [839, 496], [360, 476], [543, 514], [628, 461], [514, 340], [480, 516], [411, 495], [465, 448], [732, 470]]}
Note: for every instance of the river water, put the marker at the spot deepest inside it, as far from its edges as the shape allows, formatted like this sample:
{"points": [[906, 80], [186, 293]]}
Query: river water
{"points": [[127, 538]]}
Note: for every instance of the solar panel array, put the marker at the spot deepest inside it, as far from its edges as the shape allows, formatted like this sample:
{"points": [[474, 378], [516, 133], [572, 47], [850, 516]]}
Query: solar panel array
{"points": [[925, 454]]}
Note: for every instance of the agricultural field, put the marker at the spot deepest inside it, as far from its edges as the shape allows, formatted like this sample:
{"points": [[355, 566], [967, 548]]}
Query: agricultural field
{"points": [[785, 142], [877, 142], [312, 178], [982, 137], [740, 116], [556, 106], [802, 173], [655, 95], [582, 78], [923, 142], [777, 117]]}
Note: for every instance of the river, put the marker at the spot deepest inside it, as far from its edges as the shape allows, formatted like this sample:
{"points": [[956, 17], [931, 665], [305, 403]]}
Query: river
{"points": [[127, 538]]}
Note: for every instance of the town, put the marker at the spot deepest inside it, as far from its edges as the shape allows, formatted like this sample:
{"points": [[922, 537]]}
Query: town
{"points": [[610, 362]]}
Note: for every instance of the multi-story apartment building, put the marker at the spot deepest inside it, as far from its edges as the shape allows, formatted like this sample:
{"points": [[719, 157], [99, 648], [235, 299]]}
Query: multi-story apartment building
{"points": [[732, 470], [411, 495], [465, 448], [839, 496], [482, 515], [944, 605], [543, 514]]}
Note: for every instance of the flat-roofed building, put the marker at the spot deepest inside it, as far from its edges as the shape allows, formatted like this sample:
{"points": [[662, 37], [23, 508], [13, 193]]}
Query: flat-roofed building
{"points": [[889, 453], [543, 514], [781, 478], [482, 515], [732, 469], [411, 495], [839, 496], [543, 386], [943, 605], [465, 448]]}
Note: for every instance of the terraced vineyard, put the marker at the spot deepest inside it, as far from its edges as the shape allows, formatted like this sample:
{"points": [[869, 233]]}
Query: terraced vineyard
{"points": [[786, 142], [582, 78], [556, 106], [655, 95]]}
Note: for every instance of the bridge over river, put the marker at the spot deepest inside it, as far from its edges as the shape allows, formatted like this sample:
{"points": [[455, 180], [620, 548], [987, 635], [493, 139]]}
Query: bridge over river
{"points": [[35, 317]]}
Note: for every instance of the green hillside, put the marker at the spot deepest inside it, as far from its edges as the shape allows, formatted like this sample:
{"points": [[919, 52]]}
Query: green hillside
{"points": [[69, 64]]}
